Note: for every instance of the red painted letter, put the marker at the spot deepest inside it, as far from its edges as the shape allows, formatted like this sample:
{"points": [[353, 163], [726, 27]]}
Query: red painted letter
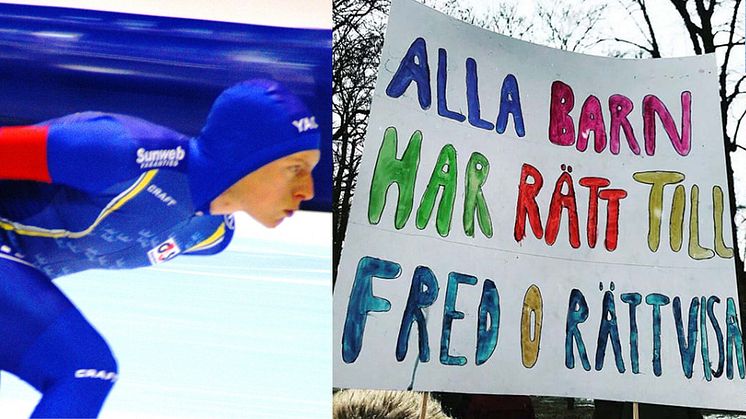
{"points": [[620, 106], [591, 119], [527, 203], [559, 201], [561, 129], [612, 215], [651, 105], [593, 184]]}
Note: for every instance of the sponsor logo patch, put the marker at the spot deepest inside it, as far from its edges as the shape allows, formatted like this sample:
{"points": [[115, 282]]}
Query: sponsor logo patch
{"points": [[230, 222], [161, 194], [148, 159], [163, 252], [99, 374], [304, 124]]}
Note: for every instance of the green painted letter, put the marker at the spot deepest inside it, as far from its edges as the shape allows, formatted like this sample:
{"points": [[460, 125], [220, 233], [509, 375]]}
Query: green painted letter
{"points": [[390, 170], [444, 176], [476, 174]]}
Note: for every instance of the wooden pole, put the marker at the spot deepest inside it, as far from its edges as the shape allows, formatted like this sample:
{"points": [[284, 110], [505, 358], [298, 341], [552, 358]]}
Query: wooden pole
{"points": [[424, 405], [635, 410]]}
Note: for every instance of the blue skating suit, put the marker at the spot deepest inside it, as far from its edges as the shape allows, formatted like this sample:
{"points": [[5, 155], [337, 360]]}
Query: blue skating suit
{"points": [[94, 190], [138, 221], [86, 219]]}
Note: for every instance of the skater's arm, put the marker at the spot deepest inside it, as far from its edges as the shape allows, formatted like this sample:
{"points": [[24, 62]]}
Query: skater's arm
{"points": [[216, 242], [89, 154]]}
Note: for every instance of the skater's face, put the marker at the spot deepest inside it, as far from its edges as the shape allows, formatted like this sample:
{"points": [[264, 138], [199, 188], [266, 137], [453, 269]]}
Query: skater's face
{"points": [[272, 192]]}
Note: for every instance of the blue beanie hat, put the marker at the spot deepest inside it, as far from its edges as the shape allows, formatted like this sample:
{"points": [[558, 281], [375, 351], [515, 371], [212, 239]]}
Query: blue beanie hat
{"points": [[250, 124]]}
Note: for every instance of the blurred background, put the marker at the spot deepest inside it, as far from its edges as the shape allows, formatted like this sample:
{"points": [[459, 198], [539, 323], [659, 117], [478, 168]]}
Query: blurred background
{"points": [[245, 333]]}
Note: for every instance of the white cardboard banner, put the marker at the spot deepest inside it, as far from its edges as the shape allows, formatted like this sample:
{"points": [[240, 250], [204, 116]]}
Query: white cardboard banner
{"points": [[533, 221]]}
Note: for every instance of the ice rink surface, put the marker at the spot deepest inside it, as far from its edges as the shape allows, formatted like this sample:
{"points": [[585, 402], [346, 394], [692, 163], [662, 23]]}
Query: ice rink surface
{"points": [[245, 333]]}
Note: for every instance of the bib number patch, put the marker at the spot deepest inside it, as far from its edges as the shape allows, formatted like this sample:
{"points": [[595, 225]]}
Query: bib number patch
{"points": [[163, 252]]}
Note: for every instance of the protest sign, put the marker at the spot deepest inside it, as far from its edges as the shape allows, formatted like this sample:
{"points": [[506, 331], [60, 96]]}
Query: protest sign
{"points": [[533, 221]]}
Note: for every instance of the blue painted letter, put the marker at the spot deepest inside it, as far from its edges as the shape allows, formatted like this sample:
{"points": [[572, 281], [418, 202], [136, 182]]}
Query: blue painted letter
{"points": [[362, 301], [657, 300], [422, 293], [488, 326], [687, 343], [633, 299], [450, 314], [510, 103], [734, 339], [577, 312], [704, 343], [472, 96], [442, 84], [413, 68], [718, 334], [608, 328]]}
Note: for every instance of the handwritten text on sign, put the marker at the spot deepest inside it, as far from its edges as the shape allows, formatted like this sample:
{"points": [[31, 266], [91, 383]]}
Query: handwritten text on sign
{"points": [[505, 222]]}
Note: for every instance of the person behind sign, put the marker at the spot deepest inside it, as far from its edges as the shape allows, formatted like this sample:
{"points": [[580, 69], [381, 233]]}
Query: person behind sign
{"points": [[607, 409], [94, 190], [384, 404]]}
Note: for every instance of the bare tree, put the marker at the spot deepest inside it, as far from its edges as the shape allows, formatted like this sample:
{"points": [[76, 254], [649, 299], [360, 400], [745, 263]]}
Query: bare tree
{"points": [[357, 37], [503, 18], [713, 27], [570, 26], [649, 47]]}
